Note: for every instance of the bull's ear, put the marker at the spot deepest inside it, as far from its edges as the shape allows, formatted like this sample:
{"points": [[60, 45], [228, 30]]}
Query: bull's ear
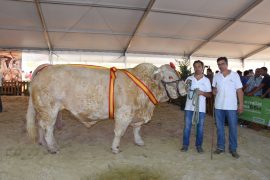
{"points": [[157, 75]]}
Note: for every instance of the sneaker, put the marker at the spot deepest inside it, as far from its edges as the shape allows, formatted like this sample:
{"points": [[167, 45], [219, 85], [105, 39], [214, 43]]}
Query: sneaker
{"points": [[235, 154], [184, 149], [218, 151], [200, 150]]}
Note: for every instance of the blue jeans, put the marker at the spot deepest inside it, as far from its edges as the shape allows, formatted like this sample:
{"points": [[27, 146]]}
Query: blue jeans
{"points": [[187, 129], [232, 121]]}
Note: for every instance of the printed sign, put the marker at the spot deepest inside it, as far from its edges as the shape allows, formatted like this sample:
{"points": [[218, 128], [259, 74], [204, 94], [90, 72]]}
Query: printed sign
{"points": [[256, 110]]}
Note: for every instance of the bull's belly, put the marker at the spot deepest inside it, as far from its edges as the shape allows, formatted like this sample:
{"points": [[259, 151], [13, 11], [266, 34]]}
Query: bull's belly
{"points": [[87, 106], [90, 115]]}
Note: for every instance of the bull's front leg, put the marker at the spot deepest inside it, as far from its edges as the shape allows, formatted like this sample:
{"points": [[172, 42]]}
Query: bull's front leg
{"points": [[136, 131], [119, 130]]}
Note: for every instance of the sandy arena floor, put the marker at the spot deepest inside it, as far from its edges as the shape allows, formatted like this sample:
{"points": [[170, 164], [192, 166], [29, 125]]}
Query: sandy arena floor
{"points": [[85, 153]]}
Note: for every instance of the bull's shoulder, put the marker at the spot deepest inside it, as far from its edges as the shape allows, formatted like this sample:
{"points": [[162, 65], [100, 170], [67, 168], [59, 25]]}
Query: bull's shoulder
{"points": [[143, 71]]}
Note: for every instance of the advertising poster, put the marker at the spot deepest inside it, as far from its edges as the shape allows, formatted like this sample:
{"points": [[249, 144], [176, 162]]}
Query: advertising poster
{"points": [[11, 69], [256, 110]]}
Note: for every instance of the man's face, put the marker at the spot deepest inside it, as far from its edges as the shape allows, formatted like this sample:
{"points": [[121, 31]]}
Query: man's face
{"points": [[263, 72], [258, 72], [198, 68], [222, 65]]}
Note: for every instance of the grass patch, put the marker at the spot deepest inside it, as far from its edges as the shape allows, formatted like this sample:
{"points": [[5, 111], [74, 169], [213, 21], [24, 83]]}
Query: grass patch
{"points": [[129, 173]]}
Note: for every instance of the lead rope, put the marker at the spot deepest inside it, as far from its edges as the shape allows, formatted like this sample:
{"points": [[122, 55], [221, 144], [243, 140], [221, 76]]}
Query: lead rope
{"points": [[193, 95], [195, 103]]}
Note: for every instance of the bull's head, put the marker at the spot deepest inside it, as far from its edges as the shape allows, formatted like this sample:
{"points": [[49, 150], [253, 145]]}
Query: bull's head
{"points": [[171, 81]]}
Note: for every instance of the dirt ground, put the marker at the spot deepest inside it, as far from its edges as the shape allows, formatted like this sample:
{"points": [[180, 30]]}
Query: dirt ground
{"points": [[85, 153]]}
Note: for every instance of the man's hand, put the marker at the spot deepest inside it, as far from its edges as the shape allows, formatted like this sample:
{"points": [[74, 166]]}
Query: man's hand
{"points": [[240, 108], [214, 91]]}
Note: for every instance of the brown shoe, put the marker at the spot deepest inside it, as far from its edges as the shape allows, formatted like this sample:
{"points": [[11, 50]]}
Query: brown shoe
{"points": [[235, 154], [200, 150], [184, 149]]}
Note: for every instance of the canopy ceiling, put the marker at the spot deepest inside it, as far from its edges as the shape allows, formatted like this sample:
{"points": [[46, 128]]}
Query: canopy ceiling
{"points": [[233, 28]]}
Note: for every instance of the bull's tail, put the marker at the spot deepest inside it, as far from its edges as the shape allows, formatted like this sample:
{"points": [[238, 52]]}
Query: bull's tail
{"points": [[31, 120]]}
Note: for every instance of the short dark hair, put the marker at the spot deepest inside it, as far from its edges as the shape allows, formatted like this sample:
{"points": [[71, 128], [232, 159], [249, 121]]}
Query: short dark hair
{"points": [[246, 72], [264, 68], [222, 59], [198, 61]]}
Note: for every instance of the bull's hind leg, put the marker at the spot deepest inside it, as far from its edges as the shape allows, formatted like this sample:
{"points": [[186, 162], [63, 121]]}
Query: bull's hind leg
{"points": [[119, 130], [46, 123], [59, 122], [136, 131], [41, 137]]}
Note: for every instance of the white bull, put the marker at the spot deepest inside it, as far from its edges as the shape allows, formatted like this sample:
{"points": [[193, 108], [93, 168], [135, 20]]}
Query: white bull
{"points": [[84, 92]]}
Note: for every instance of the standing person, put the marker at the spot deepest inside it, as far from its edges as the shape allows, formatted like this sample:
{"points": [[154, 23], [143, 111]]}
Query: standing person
{"points": [[198, 80], [227, 87], [209, 74]]}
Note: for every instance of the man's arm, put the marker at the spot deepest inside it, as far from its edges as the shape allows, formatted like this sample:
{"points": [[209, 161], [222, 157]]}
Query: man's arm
{"points": [[256, 89], [245, 87], [206, 94], [240, 96], [267, 92]]}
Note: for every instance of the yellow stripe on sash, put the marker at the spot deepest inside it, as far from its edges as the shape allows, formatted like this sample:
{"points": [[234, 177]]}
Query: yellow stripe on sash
{"points": [[141, 85]]}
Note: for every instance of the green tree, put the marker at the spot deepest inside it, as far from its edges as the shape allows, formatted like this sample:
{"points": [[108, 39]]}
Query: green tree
{"points": [[184, 67]]}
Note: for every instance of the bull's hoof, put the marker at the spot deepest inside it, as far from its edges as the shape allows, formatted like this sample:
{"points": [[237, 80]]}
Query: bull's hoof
{"points": [[139, 143], [42, 143], [53, 151], [115, 150]]}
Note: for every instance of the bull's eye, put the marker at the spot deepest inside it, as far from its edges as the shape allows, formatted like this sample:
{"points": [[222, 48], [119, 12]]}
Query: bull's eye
{"points": [[170, 77]]}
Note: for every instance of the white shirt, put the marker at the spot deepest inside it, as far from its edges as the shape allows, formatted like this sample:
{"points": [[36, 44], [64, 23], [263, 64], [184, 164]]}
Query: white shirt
{"points": [[226, 98], [204, 85]]}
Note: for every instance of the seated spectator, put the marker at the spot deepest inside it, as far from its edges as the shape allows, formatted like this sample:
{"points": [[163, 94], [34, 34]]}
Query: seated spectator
{"points": [[265, 84], [253, 83]]}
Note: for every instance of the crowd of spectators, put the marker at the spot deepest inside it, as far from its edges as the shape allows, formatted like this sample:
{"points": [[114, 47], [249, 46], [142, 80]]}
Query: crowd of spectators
{"points": [[256, 84]]}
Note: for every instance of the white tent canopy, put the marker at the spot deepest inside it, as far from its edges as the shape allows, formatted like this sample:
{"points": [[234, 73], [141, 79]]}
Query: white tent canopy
{"points": [[237, 29]]}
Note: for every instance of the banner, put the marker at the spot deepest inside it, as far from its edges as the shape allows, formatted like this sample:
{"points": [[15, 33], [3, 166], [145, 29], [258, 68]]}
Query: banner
{"points": [[256, 110], [11, 65]]}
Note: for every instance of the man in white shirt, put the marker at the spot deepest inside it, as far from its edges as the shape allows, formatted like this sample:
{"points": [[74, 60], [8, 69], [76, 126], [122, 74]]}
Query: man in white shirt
{"points": [[227, 87], [203, 86]]}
